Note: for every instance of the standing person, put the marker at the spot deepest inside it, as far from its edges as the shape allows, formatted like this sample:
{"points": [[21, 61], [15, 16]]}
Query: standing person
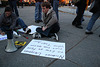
{"points": [[13, 5], [8, 22], [81, 4], [18, 3], [51, 25], [55, 5], [22, 1], [38, 11], [88, 3], [96, 14], [0, 1]]}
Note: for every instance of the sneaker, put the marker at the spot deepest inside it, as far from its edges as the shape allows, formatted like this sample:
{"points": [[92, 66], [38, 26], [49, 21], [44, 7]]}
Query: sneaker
{"points": [[56, 36], [79, 26], [36, 35], [27, 30], [88, 32]]}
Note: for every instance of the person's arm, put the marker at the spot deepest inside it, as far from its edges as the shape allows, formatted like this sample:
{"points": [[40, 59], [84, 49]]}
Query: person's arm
{"points": [[53, 20]]}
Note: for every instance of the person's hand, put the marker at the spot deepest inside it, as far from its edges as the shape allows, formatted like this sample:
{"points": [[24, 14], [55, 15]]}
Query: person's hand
{"points": [[44, 28], [2, 33]]}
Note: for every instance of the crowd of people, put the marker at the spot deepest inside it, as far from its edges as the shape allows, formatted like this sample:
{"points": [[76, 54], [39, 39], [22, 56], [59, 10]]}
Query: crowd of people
{"points": [[9, 20]]}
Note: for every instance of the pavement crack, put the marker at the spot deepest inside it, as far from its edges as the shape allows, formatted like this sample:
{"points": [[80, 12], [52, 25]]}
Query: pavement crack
{"points": [[74, 62]]}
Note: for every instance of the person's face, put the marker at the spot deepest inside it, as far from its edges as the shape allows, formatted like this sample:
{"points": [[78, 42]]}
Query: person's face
{"points": [[7, 13], [45, 10]]}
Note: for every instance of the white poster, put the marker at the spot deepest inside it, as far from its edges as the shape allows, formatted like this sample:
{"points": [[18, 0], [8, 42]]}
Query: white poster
{"points": [[32, 27], [45, 49], [3, 37]]}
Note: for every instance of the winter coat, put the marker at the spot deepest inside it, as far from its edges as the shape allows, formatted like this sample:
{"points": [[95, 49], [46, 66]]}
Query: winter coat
{"points": [[50, 18], [96, 6], [8, 21]]}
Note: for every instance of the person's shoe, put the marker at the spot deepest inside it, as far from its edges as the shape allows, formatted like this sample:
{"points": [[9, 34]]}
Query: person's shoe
{"points": [[88, 32], [79, 26], [36, 35], [37, 21], [56, 36], [27, 30], [40, 21]]}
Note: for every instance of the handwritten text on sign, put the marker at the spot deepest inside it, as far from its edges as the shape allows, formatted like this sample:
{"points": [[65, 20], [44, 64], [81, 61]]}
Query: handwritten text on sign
{"points": [[46, 49], [3, 37]]}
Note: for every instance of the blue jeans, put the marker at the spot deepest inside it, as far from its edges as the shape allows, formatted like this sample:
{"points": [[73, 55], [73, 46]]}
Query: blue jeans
{"points": [[21, 23], [14, 7], [55, 7], [9, 32], [38, 11], [94, 17]]}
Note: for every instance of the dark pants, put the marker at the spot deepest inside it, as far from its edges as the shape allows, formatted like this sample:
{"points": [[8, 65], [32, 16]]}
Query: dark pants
{"points": [[77, 20], [14, 7], [9, 32], [49, 31]]}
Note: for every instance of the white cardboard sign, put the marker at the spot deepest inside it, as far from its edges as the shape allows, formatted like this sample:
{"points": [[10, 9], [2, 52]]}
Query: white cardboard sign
{"points": [[3, 37], [45, 49], [32, 27]]}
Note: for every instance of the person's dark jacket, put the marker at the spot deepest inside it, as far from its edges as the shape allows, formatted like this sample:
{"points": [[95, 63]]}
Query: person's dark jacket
{"points": [[39, 0], [8, 21], [96, 6]]}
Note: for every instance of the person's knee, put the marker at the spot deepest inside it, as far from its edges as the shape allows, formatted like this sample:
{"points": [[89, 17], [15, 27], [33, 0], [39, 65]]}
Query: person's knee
{"points": [[9, 34]]}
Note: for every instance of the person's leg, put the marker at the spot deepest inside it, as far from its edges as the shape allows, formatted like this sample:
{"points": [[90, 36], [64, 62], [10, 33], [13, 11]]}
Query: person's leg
{"points": [[82, 15], [10, 47], [40, 11], [55, 7], [18, 4], [11, 5], [21, 23], [94, 17], [77, 20], [55, 29], [8, 32], [45, 33], [15, 8], [36, 11], [22, 4]]}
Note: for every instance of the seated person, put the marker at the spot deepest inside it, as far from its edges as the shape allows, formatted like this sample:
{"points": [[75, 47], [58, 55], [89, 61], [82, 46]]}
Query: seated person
{"points": [[51, 25], [8, 22]]}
